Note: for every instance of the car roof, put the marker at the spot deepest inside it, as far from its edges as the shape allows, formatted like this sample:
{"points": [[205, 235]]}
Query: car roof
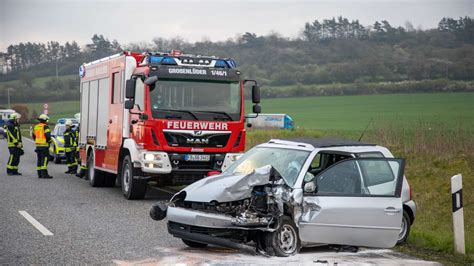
{"points": [[330, 142], [335, 144]]}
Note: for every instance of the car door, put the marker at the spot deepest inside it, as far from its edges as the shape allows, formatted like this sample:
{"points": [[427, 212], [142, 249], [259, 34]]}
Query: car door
{"points": [[343, 210]]}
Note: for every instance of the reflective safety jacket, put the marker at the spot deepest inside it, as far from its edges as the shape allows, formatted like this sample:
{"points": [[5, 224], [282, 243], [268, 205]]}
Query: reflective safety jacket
{"points": [[69, 140], [75, 133], [13, 134], [41, 135]]}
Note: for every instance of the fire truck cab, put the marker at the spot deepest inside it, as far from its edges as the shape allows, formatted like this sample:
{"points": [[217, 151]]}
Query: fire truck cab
{"points": [[167, 117]]}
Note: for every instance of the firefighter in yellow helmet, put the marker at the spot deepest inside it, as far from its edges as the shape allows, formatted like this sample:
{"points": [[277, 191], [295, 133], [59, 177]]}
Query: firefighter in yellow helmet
{"points": [[15, 146], [70, 146], [42, 136]]}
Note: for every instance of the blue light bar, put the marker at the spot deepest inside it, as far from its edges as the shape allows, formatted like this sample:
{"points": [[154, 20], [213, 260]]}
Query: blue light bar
{"points": [[155, 59], [231, 63], [221, 64], [168, 61]]}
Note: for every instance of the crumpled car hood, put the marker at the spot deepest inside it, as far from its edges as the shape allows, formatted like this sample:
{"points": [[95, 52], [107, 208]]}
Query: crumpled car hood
{"points": [[226, 188]]}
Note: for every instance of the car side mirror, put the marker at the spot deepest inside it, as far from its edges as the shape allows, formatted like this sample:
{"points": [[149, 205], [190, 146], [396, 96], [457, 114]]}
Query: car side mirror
{"points": [[130, 88], [129, 104], [310, 187]]}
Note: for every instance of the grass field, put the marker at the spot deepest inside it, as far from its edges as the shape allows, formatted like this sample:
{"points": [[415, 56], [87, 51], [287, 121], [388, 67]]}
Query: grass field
{"points": [[353, 113], [56, 109], [434, 132], [41, 81]]}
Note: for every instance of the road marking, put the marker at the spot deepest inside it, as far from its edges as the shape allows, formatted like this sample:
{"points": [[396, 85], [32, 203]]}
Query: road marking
{"points": [[35, 223], [163, 190]]}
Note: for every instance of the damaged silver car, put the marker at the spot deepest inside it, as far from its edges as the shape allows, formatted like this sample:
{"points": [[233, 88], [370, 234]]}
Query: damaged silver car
{"points": [[284, 195]]}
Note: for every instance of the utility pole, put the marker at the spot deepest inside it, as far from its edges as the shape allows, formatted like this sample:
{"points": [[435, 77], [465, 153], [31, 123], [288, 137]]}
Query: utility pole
{"points": [[56, 68], [8, 96]]}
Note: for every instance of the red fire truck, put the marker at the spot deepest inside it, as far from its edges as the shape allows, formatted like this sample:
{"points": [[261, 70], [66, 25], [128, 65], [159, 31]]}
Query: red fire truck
{"points": [[165, 117]]}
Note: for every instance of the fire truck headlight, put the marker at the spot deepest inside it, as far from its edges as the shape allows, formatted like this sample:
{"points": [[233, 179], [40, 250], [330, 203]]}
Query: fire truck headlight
{"points": [[149, 157]]}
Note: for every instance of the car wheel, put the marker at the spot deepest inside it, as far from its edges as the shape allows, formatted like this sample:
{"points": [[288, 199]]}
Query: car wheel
{"points": [[193, 244], [132, 188], [283, 242], [405, 228], [96, 177]]}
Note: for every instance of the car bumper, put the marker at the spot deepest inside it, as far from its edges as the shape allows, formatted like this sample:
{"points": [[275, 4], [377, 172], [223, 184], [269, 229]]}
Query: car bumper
{"points": [[197, 218], [204, 235]]}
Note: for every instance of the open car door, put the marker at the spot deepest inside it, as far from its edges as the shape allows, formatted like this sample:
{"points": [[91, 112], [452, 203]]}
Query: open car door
{"points": [[355, 202]]}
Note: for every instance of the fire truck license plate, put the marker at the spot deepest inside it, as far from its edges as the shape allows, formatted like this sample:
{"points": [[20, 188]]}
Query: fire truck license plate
{"points": [[197, 157]]}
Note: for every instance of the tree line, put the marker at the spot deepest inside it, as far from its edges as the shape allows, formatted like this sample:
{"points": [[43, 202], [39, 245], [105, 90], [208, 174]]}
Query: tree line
{"points": [[329, 51]]}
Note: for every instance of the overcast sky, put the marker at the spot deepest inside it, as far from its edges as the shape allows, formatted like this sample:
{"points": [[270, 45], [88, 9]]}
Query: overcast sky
{"points": [[141, 21]]}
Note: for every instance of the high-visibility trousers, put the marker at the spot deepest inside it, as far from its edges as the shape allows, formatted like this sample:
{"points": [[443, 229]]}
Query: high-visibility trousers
{"points": [[13, 160], [43, 158], [71, 159]]}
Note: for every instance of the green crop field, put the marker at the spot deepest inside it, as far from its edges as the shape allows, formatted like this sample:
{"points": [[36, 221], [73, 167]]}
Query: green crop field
{"points": [[353, 113], [56, 109], [41, 81]]}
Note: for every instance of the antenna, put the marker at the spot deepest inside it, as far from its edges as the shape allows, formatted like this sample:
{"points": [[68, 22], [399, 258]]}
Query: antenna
{"points": [[363, 132]]}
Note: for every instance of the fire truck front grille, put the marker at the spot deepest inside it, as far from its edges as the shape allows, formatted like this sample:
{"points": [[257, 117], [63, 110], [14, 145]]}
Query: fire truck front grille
{"points": [[176, 139]]}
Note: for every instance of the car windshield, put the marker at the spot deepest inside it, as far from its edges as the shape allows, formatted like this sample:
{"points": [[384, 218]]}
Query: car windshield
{"points": [[287, 162], [59, 130], [196, 100]]}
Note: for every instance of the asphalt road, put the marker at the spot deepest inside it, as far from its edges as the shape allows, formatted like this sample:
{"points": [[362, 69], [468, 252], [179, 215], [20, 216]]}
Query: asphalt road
{"points": [[82, 224]]}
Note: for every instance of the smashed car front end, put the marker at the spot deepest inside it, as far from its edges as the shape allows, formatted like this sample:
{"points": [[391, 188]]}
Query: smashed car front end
{"points": [[242, 208]]}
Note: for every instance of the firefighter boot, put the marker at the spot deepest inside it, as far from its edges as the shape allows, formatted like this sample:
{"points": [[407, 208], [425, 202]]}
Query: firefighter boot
{"points": [[69, 170], [40, 173], [15, 172], [46, 175]]}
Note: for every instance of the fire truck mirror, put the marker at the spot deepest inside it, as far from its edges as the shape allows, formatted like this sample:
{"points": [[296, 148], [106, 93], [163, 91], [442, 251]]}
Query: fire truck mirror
{"points": [[257, 109], [151, 81], [129, 104], [255, 94], [130, 88]]}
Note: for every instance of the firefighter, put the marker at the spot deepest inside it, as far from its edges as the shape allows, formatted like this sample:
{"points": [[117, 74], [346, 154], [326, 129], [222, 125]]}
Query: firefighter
{"points": [[42, 137], [15, 146], [70, 147], [75, 133], [82, 172]]}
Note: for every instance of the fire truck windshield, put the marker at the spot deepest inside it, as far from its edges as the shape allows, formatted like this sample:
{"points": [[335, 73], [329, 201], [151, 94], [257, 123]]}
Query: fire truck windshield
{"points": [[196, 100]]}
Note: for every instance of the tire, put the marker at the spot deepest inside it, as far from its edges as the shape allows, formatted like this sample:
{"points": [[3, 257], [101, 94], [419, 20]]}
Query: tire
{"points": [[132, 188], [109, 180], [193, 244], [96, 177], [283, 242], [405, 228]]}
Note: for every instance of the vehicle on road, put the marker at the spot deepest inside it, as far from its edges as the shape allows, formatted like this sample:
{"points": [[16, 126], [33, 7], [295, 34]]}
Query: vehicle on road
{"points": [[167, 117], [284, 195], [57, 151], [4, 113], [271, 121]]}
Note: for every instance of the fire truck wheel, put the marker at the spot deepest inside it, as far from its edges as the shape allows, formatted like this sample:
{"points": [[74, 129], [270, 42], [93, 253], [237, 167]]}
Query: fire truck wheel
{"points": [[132, 188], [96, 177]]}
